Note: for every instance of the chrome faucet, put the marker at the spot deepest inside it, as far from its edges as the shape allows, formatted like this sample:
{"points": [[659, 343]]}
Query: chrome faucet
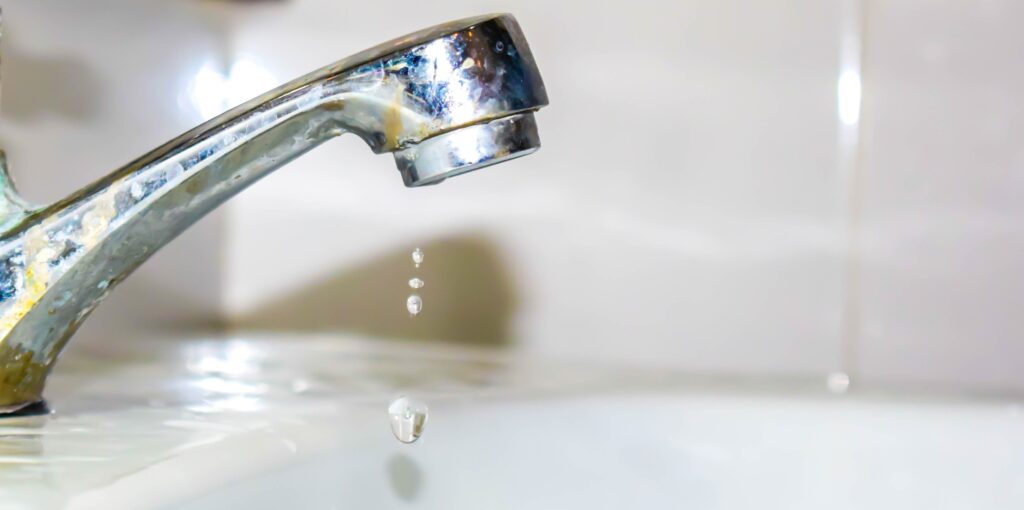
{"points": [[445, 101]]}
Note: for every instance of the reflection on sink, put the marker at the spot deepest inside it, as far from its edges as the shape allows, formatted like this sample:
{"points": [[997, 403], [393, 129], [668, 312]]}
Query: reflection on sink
{"points": [[286, 421]]}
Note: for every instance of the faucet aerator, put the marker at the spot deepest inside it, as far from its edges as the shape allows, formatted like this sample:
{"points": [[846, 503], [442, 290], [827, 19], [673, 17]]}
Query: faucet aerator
{"points": [[466, 149]]}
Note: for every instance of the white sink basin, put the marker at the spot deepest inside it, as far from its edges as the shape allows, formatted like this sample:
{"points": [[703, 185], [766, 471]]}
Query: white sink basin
{"points": [[302, 423]]}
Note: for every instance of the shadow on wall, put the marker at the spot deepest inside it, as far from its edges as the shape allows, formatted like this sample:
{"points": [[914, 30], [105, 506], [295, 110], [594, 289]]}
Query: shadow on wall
{"points": [[37, 84], [468, 298], [140, 307]]}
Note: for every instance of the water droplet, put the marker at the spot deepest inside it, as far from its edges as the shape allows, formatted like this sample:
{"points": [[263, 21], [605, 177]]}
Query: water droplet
{"points": [[414, 304], [417, 257], [408, 416], [63, 298], [499, 46], [416, 283], [838, 382], [300, 386], [103, 284]]}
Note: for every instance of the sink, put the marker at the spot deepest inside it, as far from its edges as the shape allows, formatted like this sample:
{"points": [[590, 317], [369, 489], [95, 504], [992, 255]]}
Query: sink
{"points": [[288, 421]]}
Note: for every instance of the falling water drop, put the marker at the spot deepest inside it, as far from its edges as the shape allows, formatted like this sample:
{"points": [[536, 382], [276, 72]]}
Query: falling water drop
{"points": [[414, 304], [416, 283], [417, 257], [408, 416]]}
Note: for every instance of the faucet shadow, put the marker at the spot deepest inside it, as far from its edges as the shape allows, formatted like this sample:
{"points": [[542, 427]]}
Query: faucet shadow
{"points": [[468, 298]]}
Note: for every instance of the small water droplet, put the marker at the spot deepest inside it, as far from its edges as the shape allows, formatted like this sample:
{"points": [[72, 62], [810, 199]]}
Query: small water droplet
{"points": [[417, 257], [103, 284], [838, 382], [300, 386], [416, 283], [63, 298], [414, 304], [408, 417], [499, 46]]}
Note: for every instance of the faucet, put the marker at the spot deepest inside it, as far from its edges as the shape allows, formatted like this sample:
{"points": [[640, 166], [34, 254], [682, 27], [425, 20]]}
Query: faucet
{"points": [[444, 101]]}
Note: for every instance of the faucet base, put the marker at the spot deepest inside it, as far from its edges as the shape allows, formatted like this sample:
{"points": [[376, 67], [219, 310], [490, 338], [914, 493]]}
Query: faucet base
{"points": [[37, 408]]}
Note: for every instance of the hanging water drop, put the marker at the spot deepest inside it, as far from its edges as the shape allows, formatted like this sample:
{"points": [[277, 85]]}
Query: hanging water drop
{"points": [[416, 283], [417, 257], [414, 304], [408, 417]]}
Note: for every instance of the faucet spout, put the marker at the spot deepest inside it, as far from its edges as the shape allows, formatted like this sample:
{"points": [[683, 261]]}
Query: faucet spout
{"points": [[445, 101]]}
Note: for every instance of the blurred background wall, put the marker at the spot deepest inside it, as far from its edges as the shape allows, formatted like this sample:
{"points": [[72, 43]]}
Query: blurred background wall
{"points": [[796, 187]]}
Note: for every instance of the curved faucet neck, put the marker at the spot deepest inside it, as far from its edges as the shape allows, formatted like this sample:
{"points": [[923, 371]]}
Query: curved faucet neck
{"points": [[71, 254]]}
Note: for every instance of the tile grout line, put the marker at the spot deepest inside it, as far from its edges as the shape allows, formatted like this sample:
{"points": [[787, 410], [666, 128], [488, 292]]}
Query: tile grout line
{"points": [[853, 33]]}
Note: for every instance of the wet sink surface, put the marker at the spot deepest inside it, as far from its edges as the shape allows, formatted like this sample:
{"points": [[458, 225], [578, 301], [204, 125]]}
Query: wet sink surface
{"points": [[278, 422]]}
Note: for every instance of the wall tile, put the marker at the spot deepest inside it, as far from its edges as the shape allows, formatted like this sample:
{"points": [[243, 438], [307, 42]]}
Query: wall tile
{"points": [[942, 275]]}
